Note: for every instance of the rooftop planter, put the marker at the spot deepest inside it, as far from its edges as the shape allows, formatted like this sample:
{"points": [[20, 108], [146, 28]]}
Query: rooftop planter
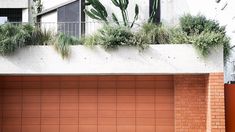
{"points": [[157, 59]]}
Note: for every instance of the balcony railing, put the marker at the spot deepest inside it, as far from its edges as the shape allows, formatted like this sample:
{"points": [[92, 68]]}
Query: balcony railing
{"points": [[76, 29]]}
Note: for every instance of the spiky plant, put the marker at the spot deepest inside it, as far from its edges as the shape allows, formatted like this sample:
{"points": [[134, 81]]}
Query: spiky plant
{"points": [[62, 43], [122, 5], [97, 11]]}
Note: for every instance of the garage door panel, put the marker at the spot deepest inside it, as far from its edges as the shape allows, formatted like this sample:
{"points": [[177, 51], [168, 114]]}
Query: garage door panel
{"points": [[106, 121], [88, 104], [11, 113], [50, 128], [31, 99], [165, 128], [107, 99], [11, 99], [145, 114], [12, 106], [126, 99], [126, 128], [31, 121], [11, 121], [126, 114], [68, 113], [107, 106], [69, 121], [30, 85], [88, 84], [145, 121], [145, 106], [11, 128], [107, 91], [125, 106], [145, 99], [145, 84], [33, 113], [126, 84], [126, 121], [88, 92], [165, 114], [88, 99], [87, 121], [68, 91], [50, 84], [145, 92], [31, 106], [69, 84], [50, 106], [68, 128], [12, 91], [88, 113], [68, 99], [107, 113], [126, 92], [110, 84], [87, 128], [107, 128], [50, 121], [145, 128], [31, 128], [32, 92]]}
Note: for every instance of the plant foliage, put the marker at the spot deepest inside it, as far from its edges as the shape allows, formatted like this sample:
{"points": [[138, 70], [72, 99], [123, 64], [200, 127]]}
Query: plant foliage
{"points": [[62, 43], [13, 37]]}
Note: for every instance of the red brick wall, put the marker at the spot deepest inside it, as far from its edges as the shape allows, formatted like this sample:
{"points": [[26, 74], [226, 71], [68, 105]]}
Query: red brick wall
{"points": [[199, 103], [190, 103], [216, 114]]}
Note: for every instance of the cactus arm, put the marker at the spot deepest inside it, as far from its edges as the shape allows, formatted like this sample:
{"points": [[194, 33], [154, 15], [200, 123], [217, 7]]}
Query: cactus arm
{"points": [[115, 19], [136, 15]]}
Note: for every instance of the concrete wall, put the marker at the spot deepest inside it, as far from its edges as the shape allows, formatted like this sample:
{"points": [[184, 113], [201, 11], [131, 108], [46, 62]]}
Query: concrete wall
{"points": [[13, 3], [158, 59]]}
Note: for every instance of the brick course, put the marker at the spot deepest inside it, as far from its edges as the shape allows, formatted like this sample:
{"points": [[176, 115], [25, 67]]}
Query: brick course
{"points": [[199, 103]]}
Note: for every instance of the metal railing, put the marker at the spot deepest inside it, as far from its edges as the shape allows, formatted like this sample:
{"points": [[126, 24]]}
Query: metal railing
{"points": [[76, 29]]}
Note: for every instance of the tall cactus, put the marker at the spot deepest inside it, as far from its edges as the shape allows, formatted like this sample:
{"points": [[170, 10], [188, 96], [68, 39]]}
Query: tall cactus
{"points": [[98, 11], [154, 11], [122, 5]]}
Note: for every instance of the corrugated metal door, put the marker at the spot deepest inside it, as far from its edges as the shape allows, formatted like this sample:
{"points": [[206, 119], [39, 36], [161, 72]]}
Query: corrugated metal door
{"points": [[87, 104], [230, 107]]}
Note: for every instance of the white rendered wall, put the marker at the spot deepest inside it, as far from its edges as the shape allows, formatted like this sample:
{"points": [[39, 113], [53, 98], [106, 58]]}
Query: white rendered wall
{"points": [[158, 59], [51, 3], [13, 3], [25, 15], [49, 21]]}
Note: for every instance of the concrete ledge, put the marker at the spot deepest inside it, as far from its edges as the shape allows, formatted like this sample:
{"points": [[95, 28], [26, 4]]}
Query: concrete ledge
{"points": [[13, 3], [158, 59]]}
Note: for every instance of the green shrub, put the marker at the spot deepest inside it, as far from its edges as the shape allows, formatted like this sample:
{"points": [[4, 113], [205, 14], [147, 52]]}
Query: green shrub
{"points": [[62, 43], [12, 37], [198, 24], [155, 34], [177, 36], [111, 37], [206, 41]]}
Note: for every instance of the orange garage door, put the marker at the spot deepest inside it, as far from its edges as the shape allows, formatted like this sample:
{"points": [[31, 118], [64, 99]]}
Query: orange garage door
{"points": [[87, 104]]}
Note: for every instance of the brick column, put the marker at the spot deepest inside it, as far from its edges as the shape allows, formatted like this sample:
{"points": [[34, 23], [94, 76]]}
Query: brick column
{"points": [[216, 106], [190, 103]]}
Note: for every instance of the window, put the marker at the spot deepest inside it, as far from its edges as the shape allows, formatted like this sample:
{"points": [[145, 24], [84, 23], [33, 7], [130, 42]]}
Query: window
{"points": [[3, 19]]}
